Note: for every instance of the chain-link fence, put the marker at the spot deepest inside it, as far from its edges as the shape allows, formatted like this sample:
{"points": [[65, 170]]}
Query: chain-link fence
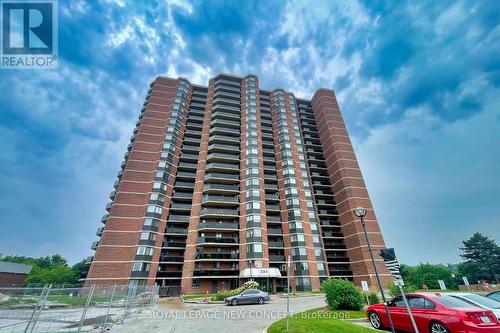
{"points": [[80, 309]]}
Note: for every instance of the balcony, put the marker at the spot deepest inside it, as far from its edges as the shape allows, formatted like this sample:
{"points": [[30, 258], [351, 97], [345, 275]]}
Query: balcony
{"points": [[218, 240], [228, 115], [226, 94], [225, 123], [169, 274], [271, 207], [211, 188], [176, 231], [226, 101], [218, 226], [99, 231], [224, 148], [272, 197], [172, 259], [274, 232], [223, 139], [180, 206], [223, 157], [104, 218], [217, 256], [178, 218], [187, 165], [108, 206], [224, 177], [271, 187], [225, 131], [88, 260], [184, 174], [220, 199], [214, 166], [171, 244], [191, 157], [217, 272], [276, 258], [181, 184], [182, 195], [94, 245], [272, 218], [276, 244], [216, 212]]}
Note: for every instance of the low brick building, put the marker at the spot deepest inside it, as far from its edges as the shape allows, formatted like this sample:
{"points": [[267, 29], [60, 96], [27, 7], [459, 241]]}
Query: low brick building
{"points": [[13, 275]]}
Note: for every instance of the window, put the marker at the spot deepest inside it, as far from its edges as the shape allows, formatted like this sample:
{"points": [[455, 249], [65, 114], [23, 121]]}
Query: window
{"points": [[320, 266], [151, 222], [416, 302], [150, 236], [141, 267], [144, 251], [195, 284]]}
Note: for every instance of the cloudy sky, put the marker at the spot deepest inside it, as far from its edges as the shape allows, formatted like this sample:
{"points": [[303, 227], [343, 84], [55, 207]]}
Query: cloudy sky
{"points": [[417, 82]]}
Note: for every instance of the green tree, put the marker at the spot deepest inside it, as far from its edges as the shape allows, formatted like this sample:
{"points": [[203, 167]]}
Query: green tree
{"points": [[481, 259], [428, 274], [50, 269]]}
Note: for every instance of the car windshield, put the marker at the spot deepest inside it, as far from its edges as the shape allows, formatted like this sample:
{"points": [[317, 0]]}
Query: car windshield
{"points": [[452, 302], [483, 301]]}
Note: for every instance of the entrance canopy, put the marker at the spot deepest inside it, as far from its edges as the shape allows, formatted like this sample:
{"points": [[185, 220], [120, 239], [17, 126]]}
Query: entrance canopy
{"points": [[260, 273]]}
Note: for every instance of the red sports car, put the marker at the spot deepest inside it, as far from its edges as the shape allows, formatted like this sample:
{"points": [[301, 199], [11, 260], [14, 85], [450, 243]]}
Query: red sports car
{"points": [[434, 313]]}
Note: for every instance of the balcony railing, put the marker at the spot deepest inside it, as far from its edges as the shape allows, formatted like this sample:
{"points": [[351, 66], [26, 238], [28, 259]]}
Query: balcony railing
{"points": [[222, 187], [271, 231], [222, 175], [223, 156], [234, 255], [172, 258], [177, 231], [217, 272], [219, 212], [218, 240], [218, 226], [220, 198]]}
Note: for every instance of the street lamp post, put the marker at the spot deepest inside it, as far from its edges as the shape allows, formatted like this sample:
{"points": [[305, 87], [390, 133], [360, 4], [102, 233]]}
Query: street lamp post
{"points": [[361, 213]]}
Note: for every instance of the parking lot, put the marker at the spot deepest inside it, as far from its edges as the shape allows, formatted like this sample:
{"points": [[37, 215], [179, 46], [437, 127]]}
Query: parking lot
{"points": [[178, 317]]}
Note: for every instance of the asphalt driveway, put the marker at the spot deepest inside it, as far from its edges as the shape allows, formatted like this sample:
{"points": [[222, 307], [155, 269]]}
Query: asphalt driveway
{"points": [[177, 317]]}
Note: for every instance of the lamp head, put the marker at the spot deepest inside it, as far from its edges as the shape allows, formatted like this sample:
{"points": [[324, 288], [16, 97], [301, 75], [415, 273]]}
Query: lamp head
{"points": [[360, 211]]}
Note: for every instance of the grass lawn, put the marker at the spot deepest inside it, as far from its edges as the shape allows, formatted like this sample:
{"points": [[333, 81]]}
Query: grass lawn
{"points": [[195, 296], [321, 320]]}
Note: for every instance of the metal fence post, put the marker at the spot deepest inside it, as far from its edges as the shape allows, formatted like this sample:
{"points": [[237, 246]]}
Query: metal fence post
{"points": [[87, 304], [109, 306], [38, 308]]}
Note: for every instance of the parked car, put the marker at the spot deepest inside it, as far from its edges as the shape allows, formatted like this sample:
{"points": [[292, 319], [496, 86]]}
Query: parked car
{"points": [[248, 296], [434, 313], [480, 301], [494, 295]]}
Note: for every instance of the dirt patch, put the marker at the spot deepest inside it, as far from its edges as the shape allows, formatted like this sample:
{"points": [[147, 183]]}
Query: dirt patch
{"points": [[170, 303]]}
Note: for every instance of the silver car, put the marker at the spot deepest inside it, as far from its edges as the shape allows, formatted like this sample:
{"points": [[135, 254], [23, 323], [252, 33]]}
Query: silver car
{"points": [[479, 301], [248, 296]]}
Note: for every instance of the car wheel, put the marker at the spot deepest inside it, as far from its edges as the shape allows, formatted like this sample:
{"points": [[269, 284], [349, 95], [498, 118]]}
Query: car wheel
{"points": [[439, 328], [261, 300], [234, 302], [375, 320]]}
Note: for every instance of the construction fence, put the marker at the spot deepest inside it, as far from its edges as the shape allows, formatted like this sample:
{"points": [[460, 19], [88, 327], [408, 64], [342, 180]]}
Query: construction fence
{"points": [[73, 309]]}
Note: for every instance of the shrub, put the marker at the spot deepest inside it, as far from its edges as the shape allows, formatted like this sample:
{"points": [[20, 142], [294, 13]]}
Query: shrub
{"points": [[250, 285], [342, 295], [373, 298], [223, 294], [394, 290]]}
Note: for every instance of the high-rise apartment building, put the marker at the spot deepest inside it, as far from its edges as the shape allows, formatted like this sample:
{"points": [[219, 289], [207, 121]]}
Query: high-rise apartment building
{"points": [[222, 183]]}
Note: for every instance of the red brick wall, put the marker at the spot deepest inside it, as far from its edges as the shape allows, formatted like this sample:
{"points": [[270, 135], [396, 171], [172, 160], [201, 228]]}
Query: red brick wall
{"points": [[348, 187]]}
